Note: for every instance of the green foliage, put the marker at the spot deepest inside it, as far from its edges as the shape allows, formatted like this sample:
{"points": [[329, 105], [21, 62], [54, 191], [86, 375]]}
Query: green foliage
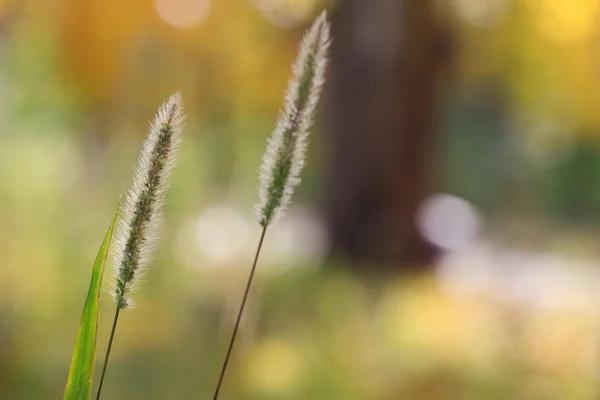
{"points": [[79, 383]]}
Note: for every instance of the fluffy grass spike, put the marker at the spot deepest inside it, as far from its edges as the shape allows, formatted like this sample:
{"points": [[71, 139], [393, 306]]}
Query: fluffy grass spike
{"points": [[141, 212], [284, 158], [286, 149]]}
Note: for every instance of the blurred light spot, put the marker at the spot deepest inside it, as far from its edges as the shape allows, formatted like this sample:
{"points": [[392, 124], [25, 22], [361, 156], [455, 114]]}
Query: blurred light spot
{"points": [[286, 13], [532, 280], [481, 13], [299, 238], [275, 366], [447, 221], [567, 20], [468, 270], [220, 233], [182, 13], [545, 281], [545, 141]]}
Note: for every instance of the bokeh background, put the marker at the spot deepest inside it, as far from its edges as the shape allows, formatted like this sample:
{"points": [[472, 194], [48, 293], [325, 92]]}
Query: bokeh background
{"points": [[444, 243]]}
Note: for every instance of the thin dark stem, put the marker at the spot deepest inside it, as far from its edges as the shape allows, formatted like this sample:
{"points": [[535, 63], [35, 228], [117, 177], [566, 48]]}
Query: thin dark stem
{"points": [[239, 317], [110, 341]]}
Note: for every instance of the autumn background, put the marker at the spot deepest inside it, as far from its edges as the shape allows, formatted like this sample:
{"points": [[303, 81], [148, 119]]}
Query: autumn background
{"points": [[444, 244]]}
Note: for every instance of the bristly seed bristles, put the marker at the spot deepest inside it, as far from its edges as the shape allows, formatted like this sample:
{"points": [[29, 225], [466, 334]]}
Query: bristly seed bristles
{"points": [[286, 149], [141, 211]]}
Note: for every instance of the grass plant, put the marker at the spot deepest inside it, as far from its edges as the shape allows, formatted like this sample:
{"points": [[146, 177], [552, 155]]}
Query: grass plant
{"points": [[284, 158]]}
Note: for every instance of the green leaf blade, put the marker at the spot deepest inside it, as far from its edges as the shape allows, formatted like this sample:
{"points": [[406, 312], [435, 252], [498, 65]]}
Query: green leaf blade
{"points": [[81, 372]]}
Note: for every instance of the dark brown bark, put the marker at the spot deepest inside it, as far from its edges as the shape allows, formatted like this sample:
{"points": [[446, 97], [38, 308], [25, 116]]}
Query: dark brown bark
{"points": [[386, 58]]}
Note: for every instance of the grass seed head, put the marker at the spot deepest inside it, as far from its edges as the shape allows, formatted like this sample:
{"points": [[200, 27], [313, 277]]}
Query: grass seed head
{"points": [[286, 149], [141, 211]]}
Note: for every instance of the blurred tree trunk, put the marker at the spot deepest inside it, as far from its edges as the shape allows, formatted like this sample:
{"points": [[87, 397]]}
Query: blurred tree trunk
{"points": [[386, 58]]}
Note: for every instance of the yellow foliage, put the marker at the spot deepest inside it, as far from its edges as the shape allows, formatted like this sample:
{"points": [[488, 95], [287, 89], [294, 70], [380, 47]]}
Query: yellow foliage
{"points": [[233, 52], [452, 330], [546, 52], [567, 21], [275, 366]]}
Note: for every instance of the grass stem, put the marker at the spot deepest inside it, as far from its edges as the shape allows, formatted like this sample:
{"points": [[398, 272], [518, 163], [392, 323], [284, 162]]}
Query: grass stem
{"points": [[110, 341], [239, 316]]}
